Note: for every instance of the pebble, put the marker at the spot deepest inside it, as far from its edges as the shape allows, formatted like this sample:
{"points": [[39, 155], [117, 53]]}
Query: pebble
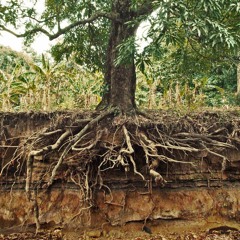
{"points": [[93, 234]]}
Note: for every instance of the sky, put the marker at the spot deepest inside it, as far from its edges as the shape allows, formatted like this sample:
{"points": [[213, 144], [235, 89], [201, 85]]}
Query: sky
{"points": [[40, 45]]}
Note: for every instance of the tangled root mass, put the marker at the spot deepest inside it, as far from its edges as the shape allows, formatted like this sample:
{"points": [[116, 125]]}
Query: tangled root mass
{"points": [[84, 151]]}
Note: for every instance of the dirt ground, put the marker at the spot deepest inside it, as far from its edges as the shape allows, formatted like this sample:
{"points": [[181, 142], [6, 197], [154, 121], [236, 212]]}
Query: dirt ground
{"points": [[168, 230], [58, 235], [206, 134]]}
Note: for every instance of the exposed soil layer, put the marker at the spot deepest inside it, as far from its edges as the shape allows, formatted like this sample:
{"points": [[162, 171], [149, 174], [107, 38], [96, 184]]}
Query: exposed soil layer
{"points": [[101, 175]]}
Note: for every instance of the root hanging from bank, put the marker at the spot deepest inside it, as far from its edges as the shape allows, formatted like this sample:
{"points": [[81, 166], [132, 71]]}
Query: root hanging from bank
{"points": [[84, 152]]}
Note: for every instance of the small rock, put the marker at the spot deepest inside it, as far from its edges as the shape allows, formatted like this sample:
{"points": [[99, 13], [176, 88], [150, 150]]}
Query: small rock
{"points": [[115, 234], [93, 234], [147, 229], [105, 233], [58, 234]]}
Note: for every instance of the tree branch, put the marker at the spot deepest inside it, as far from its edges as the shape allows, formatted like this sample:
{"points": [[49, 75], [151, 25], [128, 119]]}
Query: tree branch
{"points": [[146, 8], [60, 31]]}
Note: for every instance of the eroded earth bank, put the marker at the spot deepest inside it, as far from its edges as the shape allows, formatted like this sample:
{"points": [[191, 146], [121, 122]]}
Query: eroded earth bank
{"points": [[165, 176]]}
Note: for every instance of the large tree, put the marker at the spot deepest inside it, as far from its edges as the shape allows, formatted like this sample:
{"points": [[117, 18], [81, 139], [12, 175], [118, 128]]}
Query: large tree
{"points": [[101, 34], [94, 30]]}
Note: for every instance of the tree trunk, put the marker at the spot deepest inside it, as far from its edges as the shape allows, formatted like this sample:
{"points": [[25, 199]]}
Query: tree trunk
{"points": [[123, 76], [120, 80]]}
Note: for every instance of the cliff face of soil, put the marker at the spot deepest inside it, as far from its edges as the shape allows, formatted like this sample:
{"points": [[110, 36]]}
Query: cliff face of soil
{"points": [[62, 207], [206, 192]]}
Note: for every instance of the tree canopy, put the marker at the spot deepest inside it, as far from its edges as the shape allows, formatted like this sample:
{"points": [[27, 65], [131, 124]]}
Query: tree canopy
{"points": [[102, 34]]}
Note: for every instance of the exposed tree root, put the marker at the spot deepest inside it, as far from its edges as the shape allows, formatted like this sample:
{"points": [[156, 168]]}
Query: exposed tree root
{"points": [[36, 211], [75, 140], [84, 152]]}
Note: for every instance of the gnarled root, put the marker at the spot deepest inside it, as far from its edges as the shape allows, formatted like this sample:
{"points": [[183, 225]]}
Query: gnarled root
{"points": [[75, 140], [90, 152]]}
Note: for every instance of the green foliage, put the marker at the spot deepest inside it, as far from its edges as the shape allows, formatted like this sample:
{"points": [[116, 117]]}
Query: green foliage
{"points": [[9, 59], [191, 58], [178, 76], [88, 42], [214, 24], [13, 65], [45, 85], [222, 85], [168, 81], [126, 50], [190, 42]]}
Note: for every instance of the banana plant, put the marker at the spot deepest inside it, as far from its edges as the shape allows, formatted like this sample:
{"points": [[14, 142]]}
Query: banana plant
{"points": [[46, 78]]}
